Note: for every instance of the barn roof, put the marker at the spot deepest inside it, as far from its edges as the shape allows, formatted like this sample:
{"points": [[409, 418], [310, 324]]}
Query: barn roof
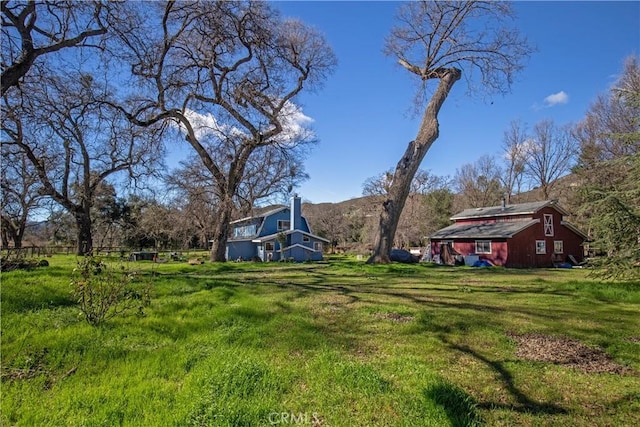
{"points": [[494, 230], [507, 210]]}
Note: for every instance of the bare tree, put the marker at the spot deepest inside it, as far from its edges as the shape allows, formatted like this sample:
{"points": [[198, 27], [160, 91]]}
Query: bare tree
{"points": [[329, 221], [437, 41], [378, 185], [19, 197], [271, 175], [414, 222], [193, 193], [226, 73], [478, 183], [610, 128], [549, 155], [514, 153], [74, 144], [31, 29]]}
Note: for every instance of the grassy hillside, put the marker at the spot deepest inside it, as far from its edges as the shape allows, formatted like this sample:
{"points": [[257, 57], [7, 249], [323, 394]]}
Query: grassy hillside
{"points": [[338, 343]]}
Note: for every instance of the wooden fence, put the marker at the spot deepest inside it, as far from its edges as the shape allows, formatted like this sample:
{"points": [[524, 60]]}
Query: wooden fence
{"points": [[47, 251]]}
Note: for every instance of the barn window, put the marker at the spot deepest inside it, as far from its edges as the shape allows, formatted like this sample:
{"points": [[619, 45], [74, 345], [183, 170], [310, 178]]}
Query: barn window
{"points": [[541, 247], [306, 239], [317, 246], [283, 225], [483, 246], [268, 246], [548, 225], [558, 247]]}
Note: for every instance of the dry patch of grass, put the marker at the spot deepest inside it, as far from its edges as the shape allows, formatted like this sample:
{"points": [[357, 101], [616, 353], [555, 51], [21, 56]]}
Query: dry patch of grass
{"points": [[395, 317], [566, 352]]}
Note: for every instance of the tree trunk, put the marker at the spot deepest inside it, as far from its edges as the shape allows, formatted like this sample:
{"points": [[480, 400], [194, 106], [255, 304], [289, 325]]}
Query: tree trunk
{"points": [[5, 238], [85, 241], [407, 167], [221, 233], [17, 241]]}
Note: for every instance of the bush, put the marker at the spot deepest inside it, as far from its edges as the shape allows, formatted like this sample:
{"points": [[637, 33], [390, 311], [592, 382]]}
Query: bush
{"points": [[102, 292]]}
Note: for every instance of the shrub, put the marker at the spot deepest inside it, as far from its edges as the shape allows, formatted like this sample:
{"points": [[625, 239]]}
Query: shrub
{"points": [[104, 292]]}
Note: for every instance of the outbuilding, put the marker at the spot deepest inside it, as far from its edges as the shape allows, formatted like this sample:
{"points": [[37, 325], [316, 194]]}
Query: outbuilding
{"points": [[517, 235]]}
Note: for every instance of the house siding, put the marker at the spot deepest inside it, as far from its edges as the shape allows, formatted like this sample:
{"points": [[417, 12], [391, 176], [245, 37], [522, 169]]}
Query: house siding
{"points": [[241, 249], [498, 255]]}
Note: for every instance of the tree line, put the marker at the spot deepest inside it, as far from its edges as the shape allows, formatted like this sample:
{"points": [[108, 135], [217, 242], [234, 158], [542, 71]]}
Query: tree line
{"points": [[94, 92]]}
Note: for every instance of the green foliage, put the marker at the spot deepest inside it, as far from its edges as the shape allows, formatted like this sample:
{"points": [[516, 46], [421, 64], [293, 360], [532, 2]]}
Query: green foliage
{"points": [[341, 342], [103, 292], [609, 169], [614, 208]]}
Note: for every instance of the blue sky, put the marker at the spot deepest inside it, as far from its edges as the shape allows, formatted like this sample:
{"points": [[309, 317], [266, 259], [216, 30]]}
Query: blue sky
{"points": [[363, 116]]}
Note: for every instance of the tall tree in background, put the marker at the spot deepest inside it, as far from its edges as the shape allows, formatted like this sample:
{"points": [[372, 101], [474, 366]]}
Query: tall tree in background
{"points": [[514, 145], [479, 183], [32, 29], [437, 41], [226, 74], [549, 154], [428, 200], [74, 144], [19, 195], [609, 171]]}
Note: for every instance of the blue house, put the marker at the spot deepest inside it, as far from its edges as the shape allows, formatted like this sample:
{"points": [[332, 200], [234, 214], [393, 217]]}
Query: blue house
{"points": [[279, 233]]}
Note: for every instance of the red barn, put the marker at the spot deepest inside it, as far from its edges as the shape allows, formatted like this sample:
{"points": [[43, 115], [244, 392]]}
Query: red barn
{"points": [[522, 235]]}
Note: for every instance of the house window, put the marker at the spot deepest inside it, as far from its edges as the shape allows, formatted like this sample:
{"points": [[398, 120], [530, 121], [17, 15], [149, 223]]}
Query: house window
{"points": [[244, 231], [483, 246], [558, 247], [541, 247], [548, 225], [283, 225], [268, 246], [306, 239], [317, 246]]}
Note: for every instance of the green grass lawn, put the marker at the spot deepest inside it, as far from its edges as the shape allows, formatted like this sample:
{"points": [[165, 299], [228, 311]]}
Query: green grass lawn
{"points": [[337, 343]]}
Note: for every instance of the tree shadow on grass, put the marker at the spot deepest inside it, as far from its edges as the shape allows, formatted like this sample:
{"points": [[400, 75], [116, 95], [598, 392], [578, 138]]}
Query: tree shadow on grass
{"points": [[524, 403], [461, 409]]}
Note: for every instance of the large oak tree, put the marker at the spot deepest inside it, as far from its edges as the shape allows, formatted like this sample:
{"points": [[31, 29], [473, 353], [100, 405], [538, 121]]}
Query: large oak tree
{"points": [[441, 42], [226, 74], [73, 143], [32, 29]]}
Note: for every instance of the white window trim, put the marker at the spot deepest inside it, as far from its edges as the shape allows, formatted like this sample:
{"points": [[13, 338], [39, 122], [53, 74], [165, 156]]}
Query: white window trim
{"points": [[548, 225], [555, 243], [317, 246], [483, 241], [543, 247]]}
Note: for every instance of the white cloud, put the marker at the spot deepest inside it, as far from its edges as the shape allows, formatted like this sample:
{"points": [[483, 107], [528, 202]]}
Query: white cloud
{"points": [[556, 98], [295, 125]]}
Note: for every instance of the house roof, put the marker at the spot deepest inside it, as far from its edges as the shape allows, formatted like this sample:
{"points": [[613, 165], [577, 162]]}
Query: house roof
{"points": [[493, 230], [275, 236], [263, 215], [507, 210]]}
